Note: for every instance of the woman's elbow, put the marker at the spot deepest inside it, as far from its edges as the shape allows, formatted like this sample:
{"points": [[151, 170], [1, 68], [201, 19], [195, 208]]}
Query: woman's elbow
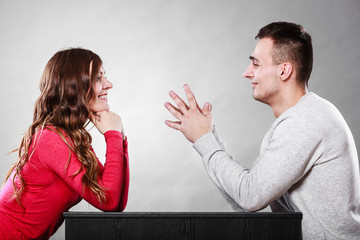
{"points": [[115, 205], [112, 206]]}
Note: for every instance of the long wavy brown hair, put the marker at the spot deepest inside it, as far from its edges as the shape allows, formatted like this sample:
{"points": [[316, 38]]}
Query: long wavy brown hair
{"points": [[63, 106]]}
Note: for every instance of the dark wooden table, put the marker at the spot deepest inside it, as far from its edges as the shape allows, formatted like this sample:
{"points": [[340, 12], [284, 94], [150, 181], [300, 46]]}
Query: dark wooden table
{"points": [[179, 225]]}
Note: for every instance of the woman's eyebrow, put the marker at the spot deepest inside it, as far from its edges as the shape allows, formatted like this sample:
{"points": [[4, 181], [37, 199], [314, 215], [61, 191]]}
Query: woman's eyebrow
{"points": [[252, 58]]}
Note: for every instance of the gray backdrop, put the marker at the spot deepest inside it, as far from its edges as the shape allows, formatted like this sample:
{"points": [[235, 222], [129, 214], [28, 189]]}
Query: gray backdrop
{"points": [[152, 46]]}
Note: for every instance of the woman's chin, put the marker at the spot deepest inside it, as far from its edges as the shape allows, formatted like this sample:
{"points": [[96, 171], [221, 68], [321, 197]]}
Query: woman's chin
{"points": [[100, 109]]}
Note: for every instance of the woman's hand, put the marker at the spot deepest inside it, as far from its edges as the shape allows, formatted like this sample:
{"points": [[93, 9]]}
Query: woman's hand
{"points": [[107, 120]]}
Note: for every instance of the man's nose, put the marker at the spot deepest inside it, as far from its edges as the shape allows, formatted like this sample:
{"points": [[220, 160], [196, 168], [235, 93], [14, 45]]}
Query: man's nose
{"points": [[249, 72]]}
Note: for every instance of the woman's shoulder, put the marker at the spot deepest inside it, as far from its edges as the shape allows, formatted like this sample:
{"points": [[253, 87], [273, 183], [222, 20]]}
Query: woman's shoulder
{"points": [[49, 144], [50, 136]]}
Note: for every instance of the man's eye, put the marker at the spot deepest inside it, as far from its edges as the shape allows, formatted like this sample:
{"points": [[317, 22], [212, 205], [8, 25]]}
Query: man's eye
{"points": [[255, 64]]}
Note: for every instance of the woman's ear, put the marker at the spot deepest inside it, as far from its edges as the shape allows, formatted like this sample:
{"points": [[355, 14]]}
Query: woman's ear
{"points": [[285, 70]]}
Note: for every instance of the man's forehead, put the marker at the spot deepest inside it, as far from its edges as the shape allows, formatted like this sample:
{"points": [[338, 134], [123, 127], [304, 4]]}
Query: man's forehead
{"points": [[263, 49]]}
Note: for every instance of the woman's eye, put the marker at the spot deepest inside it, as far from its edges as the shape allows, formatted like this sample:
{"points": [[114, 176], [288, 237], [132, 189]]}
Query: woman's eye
{"points": [[99, 78]]}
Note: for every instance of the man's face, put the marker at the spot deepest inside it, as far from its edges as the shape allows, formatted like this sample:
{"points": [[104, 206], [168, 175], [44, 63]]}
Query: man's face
{"points": [[263, 72]]}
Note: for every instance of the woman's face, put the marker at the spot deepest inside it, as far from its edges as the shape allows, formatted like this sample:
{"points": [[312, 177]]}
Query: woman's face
{"points": [[101, 87]]}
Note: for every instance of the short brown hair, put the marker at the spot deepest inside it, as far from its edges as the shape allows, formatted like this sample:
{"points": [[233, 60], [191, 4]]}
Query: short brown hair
{"points": [[291, 43]]}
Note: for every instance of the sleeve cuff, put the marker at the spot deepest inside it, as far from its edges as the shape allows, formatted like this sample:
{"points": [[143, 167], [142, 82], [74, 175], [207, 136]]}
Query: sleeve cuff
{"points": [[113, 133], [206, 144]]}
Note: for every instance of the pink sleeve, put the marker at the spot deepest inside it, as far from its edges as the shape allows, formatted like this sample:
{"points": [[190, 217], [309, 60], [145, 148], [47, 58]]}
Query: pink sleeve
{"points": [[126, 178], [114, 176], [113, 140]]}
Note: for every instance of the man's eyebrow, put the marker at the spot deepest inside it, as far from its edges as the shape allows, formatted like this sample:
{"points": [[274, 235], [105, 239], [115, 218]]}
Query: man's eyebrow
{"points": [[252, 58]]}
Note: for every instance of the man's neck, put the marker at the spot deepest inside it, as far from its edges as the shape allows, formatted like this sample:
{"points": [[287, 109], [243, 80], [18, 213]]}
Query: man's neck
{"points": [[287, 99]]}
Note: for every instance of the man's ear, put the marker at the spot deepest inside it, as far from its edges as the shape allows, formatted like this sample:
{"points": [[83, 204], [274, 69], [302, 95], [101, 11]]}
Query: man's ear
{"points": [[285, 70]]}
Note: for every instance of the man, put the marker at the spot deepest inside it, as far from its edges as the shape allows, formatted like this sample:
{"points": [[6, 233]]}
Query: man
{"points": [[308, 160]]}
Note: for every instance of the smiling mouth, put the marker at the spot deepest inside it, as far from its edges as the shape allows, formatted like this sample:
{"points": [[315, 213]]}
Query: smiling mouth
{"points": [[103, 97]]}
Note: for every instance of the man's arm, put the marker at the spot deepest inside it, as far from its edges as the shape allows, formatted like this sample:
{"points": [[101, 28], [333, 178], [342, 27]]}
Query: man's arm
{"points": [[287, 158], [293, 148]]}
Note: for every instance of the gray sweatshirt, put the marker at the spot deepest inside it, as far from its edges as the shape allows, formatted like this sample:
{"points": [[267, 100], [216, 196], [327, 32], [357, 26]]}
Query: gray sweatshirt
{"points": [[308, 163]]}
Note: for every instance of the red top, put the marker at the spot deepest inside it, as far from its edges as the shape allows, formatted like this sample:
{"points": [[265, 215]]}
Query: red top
{"points": [[50, 190]]}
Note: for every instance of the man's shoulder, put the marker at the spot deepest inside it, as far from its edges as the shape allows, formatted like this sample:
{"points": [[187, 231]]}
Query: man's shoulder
{"points": [[312, 113], [312, 107]]}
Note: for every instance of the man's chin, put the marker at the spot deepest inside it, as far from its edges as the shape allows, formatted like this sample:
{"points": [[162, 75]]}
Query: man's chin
{"points": [[259, 98], [255, 96]]}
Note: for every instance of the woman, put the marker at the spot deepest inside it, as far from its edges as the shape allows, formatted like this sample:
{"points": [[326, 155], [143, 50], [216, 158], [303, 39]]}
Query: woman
{"points": [[57, 166]]}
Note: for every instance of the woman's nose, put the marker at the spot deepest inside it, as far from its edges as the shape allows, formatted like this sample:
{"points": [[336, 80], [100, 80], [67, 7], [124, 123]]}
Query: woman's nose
{"points": [[107, 84]]}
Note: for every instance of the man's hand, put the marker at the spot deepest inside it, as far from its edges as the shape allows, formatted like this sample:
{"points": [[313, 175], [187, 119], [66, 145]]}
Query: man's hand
{"points": [[193, 121]]}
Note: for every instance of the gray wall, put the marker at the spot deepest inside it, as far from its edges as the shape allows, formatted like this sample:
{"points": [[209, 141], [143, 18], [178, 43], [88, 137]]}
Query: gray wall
{"points": [[152, 46]]}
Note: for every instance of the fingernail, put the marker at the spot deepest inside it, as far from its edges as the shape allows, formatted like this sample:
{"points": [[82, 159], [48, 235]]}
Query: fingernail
{"points": [[171, 93], [186, 86]]}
